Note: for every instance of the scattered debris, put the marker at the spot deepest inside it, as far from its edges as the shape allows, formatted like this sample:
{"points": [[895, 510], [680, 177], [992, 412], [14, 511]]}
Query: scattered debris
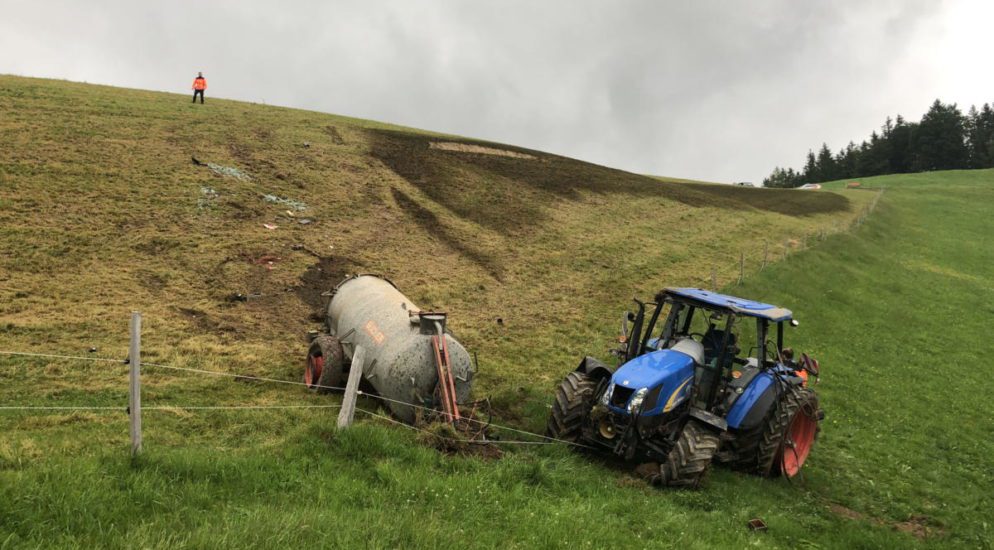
{"points": [[93, 350], [756, 524], [269, 226], [223, 170], [208, 196], [304, 249], [239, 297], [305, 221], [295, 204], [306, 144], [265, 259]]}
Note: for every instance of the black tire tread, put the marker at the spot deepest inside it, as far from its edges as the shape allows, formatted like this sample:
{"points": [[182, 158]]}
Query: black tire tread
{"points": [[770, 444], [689, 461], [332, 374], [574, 398]]}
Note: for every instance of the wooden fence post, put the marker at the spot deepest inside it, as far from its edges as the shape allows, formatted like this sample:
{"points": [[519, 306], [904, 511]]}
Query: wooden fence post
{"points": [[134, 394], [347, 413]]}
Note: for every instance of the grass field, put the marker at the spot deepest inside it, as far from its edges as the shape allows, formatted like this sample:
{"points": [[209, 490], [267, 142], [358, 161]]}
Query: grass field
{"points": [[102, 211]]}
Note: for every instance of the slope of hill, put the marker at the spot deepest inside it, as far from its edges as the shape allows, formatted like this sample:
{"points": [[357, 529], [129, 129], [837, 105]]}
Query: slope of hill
{"points": [[103, 211]]}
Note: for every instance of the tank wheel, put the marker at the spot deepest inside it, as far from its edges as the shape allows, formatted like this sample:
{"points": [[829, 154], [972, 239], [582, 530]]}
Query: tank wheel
{"points": [[765, 451], [688, 463], [324, 364], [574, 399]]}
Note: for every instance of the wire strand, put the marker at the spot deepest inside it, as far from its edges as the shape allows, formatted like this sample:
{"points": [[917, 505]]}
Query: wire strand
{"points": [[543, 437], [55, 356]]}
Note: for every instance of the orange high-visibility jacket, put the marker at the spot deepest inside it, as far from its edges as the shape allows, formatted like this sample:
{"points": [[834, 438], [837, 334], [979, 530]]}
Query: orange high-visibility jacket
{"points": [[200, 83]]}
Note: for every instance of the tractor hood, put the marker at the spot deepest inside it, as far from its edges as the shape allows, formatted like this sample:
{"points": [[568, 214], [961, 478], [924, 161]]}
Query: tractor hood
{"points": [[667, 376]]}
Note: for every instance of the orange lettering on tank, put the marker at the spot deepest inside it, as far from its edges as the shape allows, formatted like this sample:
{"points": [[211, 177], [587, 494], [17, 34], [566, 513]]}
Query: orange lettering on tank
{"points": [[374, 332]]}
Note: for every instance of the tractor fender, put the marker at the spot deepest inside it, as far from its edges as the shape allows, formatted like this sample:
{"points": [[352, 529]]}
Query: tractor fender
{"points": [[594, 368], [755, 401], [712, 421]]}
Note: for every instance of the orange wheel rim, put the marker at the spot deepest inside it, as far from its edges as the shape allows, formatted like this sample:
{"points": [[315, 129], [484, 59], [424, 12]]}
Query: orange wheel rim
{"points": [[315, 364], [802, 438]]}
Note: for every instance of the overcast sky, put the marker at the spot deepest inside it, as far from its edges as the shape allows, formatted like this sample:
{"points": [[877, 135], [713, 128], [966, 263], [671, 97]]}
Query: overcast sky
{"points": [[720, 91]]}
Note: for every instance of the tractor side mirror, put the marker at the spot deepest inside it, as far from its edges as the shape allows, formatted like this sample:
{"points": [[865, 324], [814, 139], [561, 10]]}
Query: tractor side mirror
{"points": [[794, 323]]}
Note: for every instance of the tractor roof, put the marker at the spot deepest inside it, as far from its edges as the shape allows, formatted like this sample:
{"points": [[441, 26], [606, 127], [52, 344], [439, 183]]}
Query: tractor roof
{"points": [[740, 306]]}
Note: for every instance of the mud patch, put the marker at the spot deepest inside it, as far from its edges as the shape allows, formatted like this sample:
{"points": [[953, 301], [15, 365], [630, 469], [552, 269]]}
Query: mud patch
{"points": [[203, 321], [918, 525], [320, 278]]}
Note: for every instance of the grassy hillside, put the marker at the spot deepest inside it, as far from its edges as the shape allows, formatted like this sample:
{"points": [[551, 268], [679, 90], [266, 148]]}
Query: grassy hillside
{"points": [[103, 211]]}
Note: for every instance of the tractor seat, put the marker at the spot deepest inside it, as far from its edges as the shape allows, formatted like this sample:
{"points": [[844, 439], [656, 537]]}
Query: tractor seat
{"points": [[691, 348], [712, 344]]}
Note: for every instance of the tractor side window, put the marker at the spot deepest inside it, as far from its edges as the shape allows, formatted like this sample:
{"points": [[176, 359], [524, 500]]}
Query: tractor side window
{"points": [[656, 340], [747, 339]]}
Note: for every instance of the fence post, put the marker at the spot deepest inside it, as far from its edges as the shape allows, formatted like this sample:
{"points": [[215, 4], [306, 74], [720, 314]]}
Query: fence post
{"points": [[742, 266], [134, 394], [347, 413]]}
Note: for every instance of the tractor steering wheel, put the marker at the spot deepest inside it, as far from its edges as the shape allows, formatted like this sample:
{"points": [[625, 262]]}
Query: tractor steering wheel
{"points": [[692, 334]]}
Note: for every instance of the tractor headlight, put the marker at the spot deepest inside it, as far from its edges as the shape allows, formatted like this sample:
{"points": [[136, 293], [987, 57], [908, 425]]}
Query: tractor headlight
{"points": [[607, 395], [636, 403]]}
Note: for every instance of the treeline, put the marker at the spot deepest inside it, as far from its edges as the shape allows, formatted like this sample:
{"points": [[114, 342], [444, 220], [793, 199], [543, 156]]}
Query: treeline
{"points": [[944, 139]]}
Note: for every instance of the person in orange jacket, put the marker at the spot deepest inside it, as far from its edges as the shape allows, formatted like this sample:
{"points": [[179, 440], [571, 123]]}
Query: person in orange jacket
{"points": [[199, 85]]}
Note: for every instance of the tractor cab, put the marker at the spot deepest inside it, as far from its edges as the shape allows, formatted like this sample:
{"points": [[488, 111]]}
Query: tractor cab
{"points": [[712, 329]]}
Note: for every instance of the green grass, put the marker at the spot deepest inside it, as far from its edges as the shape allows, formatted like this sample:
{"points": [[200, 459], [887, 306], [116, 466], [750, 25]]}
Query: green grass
{"points": [[100, 212]]}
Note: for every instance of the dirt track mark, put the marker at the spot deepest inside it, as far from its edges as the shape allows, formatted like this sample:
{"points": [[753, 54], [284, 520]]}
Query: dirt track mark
{"points": [[431, 224]]}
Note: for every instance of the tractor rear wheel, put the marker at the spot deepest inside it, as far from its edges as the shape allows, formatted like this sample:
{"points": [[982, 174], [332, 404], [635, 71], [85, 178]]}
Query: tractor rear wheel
{"points": [[688, 463], [324, 370], [784, 436], [790, 431], [574, 399]]}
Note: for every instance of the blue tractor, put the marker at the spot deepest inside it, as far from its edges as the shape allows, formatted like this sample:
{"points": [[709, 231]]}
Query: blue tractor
{"points": [[684, 394]]}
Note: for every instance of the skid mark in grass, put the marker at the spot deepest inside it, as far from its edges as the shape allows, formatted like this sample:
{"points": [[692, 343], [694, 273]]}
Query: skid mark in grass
{"points": [[433, 226]]}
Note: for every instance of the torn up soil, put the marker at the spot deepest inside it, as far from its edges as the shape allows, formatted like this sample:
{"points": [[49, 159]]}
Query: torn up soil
{"points": [[918, 525], [320, 278]]}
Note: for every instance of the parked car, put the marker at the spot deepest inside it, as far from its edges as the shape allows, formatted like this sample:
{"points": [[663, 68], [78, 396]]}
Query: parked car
{"points": [[810, 186]]}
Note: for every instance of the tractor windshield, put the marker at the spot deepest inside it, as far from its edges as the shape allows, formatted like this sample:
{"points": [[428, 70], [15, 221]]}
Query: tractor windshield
{"points": [[712, 327]]}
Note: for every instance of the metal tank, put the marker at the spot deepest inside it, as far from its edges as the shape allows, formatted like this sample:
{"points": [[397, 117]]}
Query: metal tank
{"points": [[369, 311]]}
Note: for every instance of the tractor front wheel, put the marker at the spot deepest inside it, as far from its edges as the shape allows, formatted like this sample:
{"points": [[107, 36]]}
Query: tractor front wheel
{"points": [[688, 463], [574, 399]]}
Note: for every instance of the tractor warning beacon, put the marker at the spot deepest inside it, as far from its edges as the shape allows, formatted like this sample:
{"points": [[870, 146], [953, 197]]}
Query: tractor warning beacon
{"points": [[684, 394]]}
